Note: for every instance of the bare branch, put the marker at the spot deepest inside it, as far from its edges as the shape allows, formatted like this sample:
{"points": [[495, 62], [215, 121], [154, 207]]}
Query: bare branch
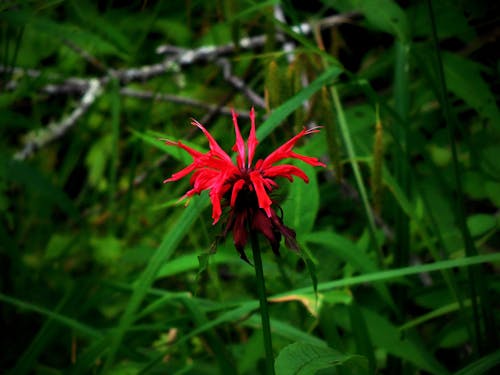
{"points": [[239, 84], [57, 130], [175, 59], [180, 100], [185, 56]]}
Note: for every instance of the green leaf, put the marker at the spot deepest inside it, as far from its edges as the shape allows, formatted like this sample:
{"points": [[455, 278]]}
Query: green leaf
{"points": [[58, 31], [490, 155], [384, 15], [450, 20], [107, 30], [493, 191], [177, 30], [39, 185], [107, 250], [463, 78], [364, 344], [96, 160], [306, 359], [302, 203], [481, 223], [386, 336], [57, 245], [311, 267], [453, 336], [291, 332], [191, 262]]}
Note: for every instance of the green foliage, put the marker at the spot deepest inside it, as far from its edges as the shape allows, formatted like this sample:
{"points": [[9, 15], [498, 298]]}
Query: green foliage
{"points": [[103, 271], [306, 359], [384, 15]]}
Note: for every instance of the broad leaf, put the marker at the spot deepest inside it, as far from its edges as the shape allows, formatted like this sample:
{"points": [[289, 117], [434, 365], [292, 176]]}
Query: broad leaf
{"points": [[306, 359]]}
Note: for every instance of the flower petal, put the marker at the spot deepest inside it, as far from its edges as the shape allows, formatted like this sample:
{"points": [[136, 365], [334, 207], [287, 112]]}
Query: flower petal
{"points": [[285, 150], [217, 191], [214, 146], [194, 153], [307, 159], [237, 186], [203, 179], [216, 208], [263, 224], [289, 233], [262, 197], [287, 171], [240, 233], [270, 184], [252, 139], [239, 146], [182, 173]]}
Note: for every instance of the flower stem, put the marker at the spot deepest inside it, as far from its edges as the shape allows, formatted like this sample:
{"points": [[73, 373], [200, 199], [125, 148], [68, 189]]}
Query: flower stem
{"points": [[264, 312]]}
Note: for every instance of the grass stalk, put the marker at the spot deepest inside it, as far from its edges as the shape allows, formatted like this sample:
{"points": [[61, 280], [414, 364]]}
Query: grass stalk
{"points": [[346, 135], [401, 103]]}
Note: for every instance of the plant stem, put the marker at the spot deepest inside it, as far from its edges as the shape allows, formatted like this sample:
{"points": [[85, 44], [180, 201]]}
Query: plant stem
{"points": [[264, 312]]}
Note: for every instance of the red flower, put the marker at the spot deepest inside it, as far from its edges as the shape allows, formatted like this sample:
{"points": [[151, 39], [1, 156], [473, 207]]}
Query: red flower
{"points": [[244, 186]]}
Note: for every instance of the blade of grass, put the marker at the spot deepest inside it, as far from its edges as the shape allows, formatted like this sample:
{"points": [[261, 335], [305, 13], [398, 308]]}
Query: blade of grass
{"points": [[402, 100], [443, 310], [401, 248], [62, 319], [398, 273], [26, 361], [482, 365], [351, 153]]}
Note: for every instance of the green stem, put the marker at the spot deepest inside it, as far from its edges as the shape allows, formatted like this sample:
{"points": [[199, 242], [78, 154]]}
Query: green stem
{"points": [[264, 312]]}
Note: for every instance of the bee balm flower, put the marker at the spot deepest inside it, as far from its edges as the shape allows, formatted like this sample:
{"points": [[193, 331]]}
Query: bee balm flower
{"points": [[244, 186]]}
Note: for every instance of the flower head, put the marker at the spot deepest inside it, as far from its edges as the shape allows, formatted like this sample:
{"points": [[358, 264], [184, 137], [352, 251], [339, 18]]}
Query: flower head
{"points": [[244, 186]]}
